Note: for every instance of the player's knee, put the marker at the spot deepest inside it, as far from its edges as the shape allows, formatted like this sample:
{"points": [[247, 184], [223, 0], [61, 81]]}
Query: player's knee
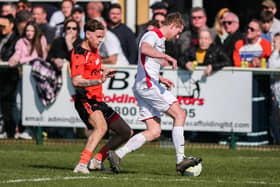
{"points": [[181, 116], [102, 129], [156, 133]]}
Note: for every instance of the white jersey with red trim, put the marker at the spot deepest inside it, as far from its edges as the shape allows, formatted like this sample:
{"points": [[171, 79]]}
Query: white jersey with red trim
{"points": [[148, 68]]}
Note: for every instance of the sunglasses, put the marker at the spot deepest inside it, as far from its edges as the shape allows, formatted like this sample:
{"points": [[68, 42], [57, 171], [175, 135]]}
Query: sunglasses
{"points": [[159, 21], [73, 28], [197, 17], [227, 22], [252, 29]]}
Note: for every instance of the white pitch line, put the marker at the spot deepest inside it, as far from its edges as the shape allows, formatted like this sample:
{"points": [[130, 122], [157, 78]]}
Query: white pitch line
{"points": [[186, 179]]}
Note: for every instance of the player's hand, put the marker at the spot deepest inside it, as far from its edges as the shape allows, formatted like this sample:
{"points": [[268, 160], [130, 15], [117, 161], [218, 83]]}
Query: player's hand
{"points": [[168, 83], [110, 72], [107, 73], [172, 61], [256, 62]]}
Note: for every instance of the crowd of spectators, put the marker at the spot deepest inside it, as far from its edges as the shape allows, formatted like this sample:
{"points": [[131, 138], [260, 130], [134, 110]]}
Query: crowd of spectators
{"points": [[28, 32]]}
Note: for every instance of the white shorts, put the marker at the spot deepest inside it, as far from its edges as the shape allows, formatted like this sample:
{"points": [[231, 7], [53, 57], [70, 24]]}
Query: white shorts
{"points": [[152, 101]]}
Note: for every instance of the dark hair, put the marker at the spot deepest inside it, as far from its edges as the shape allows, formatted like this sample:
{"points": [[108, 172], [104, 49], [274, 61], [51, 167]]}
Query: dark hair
{"points": [[93, 25], [115, 5], [158, 13], [266, 16], [153, 23], [256, 21], [277, 34], [23, 16], [26, 2], [41, 7], [36, 41], [9, 17], [77, 25]]}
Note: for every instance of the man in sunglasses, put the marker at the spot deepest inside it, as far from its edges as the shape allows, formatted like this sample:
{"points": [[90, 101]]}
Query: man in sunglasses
{"points": [[253, 48], [231, 25], [188, 38], [8, 76]]}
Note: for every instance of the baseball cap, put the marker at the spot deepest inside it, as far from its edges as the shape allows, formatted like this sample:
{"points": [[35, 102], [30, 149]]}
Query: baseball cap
{"points": [[159, 5], [77, 9]]}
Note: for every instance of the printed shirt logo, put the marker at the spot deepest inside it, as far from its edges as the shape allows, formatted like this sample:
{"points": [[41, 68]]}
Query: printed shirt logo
{"points": [[97, 61]]}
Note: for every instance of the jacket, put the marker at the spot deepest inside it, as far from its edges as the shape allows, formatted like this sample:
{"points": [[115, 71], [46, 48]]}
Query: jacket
{"points": [[214, 56]]}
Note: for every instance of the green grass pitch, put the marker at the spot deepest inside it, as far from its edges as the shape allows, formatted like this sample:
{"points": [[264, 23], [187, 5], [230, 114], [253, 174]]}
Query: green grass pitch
{"points": [[51, 165]]}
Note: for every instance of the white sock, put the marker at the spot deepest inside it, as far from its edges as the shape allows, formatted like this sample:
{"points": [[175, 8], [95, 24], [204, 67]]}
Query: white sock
{"points": [[133, 143], [179, 142]]}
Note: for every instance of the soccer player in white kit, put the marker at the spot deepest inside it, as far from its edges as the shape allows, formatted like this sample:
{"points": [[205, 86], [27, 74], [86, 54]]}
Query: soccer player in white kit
{"points": [[153, 98]]}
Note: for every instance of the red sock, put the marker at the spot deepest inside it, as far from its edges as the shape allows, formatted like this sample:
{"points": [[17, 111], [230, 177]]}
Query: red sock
{"points": [[102, 154], [85, 156]]}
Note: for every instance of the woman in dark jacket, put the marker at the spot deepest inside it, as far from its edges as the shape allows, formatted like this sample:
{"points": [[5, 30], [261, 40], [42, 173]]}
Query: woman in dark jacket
{"points": [[206, 54], [62, 46]]}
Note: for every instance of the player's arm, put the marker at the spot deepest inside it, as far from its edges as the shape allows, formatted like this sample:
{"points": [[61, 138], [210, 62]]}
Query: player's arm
{"points": [[79, 81], [148, 50]]}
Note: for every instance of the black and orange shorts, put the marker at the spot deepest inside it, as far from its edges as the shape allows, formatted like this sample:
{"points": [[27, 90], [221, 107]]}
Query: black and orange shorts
{"points": [[86, 106]]}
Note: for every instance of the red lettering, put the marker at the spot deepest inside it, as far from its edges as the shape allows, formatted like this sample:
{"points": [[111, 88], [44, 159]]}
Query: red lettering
{"points": [[123, 98], [190, 101]]}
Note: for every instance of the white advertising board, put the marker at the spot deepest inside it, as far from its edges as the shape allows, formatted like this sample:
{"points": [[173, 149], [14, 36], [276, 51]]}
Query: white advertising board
{"points": [[221, 102]]}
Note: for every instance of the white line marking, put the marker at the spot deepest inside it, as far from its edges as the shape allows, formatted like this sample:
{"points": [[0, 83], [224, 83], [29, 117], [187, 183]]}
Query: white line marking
{"points": [[186, 179]]}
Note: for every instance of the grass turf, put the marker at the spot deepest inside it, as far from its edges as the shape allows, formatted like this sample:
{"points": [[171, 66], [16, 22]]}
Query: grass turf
{"points": [[52, 165]]}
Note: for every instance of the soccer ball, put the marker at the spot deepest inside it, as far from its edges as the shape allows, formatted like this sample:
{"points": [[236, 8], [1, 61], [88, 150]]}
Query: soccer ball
{"points": [[193, 170]]}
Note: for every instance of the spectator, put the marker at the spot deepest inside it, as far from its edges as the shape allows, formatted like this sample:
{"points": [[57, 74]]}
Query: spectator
{"points": [[57, 19], [125, 35], [149, 26], [94, 10], [189, 38], [40, 17], [9, 8], [266, 19], [269, 5], [219, 28], [22, 18], [274, 62], [159, 7], [78, 15], [24, 5], [62, 46], [110, 49], [160, 18], [206, 54], [231, 24], [30, 46], [252, 48], [8, 76]]}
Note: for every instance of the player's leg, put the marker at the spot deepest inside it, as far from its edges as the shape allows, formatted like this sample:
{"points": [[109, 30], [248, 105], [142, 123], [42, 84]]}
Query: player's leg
{"points": [[98, 122], [179, 116], [153, 131], [120, 133]]}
